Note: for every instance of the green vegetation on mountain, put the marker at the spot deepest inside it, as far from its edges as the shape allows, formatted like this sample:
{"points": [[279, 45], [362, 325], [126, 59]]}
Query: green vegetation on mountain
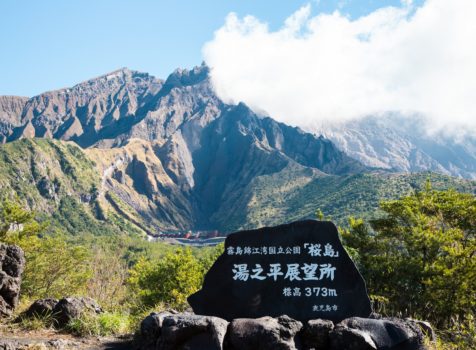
{"points": [[294, 194], [172, 156], [46, 168], [67, 188], [419, 260], [107, 268], [61, 184]]}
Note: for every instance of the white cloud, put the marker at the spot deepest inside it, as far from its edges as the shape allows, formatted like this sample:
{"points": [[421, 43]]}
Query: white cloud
{"points": [[331, 68]]}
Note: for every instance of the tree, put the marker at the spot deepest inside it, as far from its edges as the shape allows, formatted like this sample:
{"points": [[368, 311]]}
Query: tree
{"points": [[170, 280], [17, 223], [107, 282], [210, 255], [421, 256], [55, 268]]}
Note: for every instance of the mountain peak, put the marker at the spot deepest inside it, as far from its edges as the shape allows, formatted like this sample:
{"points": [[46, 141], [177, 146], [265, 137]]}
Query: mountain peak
{"points": [[123, 74], [186, 77]]}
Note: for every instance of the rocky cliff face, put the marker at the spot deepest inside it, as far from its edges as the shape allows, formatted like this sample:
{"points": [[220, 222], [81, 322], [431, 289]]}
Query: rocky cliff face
{"points": [[239, 148], [203, 175], [140, 187], [109, 110], [177, 114], [11, 108], [405, 145], [88, 112], [170, 155], [171, 150]]}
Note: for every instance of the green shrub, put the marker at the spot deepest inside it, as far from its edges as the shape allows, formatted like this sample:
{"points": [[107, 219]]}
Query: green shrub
{"points": [[55, 268], [419, 260], [16, 223], [170, 280]]}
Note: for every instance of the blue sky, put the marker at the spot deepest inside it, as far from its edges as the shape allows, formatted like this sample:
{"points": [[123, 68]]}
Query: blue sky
{"points": [[51, 44]]}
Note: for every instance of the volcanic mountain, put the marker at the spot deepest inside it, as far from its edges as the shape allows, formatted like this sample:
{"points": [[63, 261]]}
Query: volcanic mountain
{"points": [[138, 152]]}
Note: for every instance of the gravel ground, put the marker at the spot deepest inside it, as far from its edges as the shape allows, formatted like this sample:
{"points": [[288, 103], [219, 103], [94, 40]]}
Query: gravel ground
{"points": [[12, 338]]}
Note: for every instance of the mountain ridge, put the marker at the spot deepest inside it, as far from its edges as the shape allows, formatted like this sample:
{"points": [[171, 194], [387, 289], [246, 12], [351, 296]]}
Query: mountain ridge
{"points": [[389, 142], [169, 155], [171, 150], [403, 144]]}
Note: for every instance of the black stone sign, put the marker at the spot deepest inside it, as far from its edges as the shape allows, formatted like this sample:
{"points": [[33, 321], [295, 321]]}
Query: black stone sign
{"points": [[299, 269]]}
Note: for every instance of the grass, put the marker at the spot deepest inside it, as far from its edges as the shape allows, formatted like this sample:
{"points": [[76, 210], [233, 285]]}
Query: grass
{"points": [[112, 323], [105, 324], [36, 322], [461, 335]]}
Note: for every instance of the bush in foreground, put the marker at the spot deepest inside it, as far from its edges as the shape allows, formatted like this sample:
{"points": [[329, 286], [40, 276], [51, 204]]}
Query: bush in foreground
{"points": [[170, 280], [419, 260]]}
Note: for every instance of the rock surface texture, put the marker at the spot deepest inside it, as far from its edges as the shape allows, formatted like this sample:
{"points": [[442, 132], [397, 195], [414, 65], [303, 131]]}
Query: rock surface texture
{"points": [[404, 144], [151, 329], [71, 308], [181, 331], [165, 331], [12, 264], [64, 310], [263, 333], [41, 307], [316, 334], [192, 332], [386, 333]]}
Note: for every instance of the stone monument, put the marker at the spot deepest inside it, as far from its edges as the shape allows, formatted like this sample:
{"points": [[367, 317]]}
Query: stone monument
{"points": [[299, 269]]}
